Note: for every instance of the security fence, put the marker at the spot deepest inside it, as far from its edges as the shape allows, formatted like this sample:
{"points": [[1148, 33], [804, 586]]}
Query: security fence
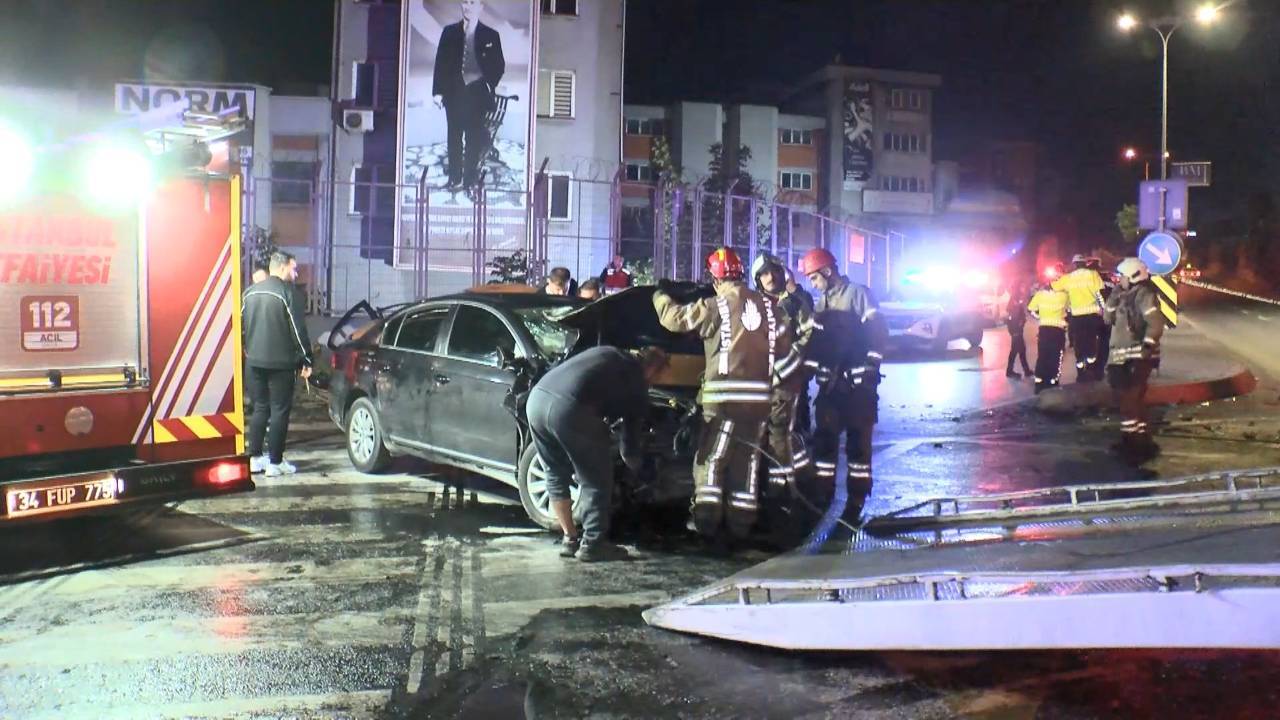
{"points": [[390, 243]]}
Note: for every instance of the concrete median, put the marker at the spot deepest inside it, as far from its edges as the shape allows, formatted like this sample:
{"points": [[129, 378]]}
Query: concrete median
{"points": [[1193, 369]]}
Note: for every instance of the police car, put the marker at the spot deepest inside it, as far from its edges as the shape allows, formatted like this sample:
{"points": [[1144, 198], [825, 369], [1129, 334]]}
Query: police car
{"points": [[933, 306]]}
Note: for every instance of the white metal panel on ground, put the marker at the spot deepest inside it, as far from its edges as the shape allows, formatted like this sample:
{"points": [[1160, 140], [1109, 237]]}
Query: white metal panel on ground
{"points": [[1203, 571]]}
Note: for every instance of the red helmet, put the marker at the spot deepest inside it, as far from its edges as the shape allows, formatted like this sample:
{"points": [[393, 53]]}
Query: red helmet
{"points": [[815, 260], [724, 264]]}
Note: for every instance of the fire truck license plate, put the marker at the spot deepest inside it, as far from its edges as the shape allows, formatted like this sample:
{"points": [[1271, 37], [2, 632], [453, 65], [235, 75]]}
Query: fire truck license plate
{"points": [[22, 502]]}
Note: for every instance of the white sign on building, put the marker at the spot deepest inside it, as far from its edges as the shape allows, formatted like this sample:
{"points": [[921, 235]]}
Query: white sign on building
{"points": [[135, 98]]}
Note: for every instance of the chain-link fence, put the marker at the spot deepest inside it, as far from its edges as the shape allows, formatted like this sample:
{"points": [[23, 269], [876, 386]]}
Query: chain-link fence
{"points": [[391, 243]]}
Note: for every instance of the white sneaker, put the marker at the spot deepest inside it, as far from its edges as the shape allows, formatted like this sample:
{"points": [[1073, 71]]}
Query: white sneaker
{"points": [[284, 468], [258, 464]]}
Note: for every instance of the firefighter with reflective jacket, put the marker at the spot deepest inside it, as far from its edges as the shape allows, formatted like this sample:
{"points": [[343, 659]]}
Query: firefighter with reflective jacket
{"points": [[791, 384], [740, 329], [1133, 312], [845, 352], [1083, 287]]}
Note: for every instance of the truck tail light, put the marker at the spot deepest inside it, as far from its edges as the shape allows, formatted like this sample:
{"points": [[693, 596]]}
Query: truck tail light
{"points": [[224, 473]]}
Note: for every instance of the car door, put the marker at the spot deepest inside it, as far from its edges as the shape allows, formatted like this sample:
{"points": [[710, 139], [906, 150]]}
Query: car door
{"points": [[405, 377], [468, 414]]}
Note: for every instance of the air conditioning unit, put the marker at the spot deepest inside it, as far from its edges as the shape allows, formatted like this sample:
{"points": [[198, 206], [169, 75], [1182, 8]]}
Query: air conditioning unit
{"points": [[357, 121]]}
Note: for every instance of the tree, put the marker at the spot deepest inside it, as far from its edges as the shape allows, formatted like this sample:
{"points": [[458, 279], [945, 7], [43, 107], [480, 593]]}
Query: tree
{"points": [[505, 269], [259, 244], [1127, 224], [736, 181]]}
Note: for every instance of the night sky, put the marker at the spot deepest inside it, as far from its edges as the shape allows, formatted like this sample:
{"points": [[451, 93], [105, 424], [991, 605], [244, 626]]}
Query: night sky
{"points": [[1053, 71]]}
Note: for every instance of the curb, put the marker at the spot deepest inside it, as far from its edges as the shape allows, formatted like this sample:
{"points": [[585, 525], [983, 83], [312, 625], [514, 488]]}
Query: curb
{"points": [[1098, 394]]}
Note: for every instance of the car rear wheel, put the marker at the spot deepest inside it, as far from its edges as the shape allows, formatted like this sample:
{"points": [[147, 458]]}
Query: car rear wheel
{"points": [[531, 479], [365, 448]]}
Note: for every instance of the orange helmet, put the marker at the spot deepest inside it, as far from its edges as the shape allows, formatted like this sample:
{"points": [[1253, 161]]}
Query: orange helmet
{"points": [[815, 260], [724, 264]]}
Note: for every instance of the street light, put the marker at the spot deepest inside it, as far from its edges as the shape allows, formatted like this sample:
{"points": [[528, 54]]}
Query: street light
{"points": [[1131, 154], [1206, 14]]}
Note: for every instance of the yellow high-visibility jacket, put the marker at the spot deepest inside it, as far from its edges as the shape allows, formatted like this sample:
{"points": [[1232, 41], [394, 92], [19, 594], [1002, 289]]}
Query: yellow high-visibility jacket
{"points": [[1049, 307], [1084, 289]]}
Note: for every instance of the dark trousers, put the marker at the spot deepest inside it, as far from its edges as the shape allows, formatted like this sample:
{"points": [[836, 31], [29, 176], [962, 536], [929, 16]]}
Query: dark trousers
{"points": [[1085, 331], [1018, 351], [272, 394], [574, 442], [850, 412], [1129, 383], [726, 469], [1050, 342], [468, 137]]}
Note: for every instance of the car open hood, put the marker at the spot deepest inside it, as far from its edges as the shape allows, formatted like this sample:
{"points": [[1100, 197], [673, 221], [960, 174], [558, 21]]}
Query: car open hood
{"points": [[627, 320]]}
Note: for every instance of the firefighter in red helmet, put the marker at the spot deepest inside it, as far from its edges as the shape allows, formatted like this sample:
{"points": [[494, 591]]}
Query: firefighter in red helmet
{"points": [[845, 353], [742, 331]]}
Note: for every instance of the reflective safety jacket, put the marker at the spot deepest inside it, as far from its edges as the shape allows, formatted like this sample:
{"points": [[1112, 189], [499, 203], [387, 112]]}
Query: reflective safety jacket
{"points": [[1084, 291], [850, 335], [1049, 307], [1136, 323], [797, 317], [742, 331]]}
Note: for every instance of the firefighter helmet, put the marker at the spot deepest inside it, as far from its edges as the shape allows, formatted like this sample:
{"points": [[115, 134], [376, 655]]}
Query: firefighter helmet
{"points": [[724, 264], [1133, 270], [1078, 259], [815, 260], [763, 263]]}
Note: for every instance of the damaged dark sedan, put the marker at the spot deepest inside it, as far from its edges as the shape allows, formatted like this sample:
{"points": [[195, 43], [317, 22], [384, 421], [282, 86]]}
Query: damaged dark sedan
{"points": [[444, 380]]}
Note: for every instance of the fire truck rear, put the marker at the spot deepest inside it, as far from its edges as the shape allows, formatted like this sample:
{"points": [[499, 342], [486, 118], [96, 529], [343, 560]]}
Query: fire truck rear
{"points": [[120, 360]]}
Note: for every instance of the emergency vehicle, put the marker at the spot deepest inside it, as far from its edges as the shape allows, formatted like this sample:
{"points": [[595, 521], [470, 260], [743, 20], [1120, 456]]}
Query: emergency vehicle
{"points": [[120, 347]]}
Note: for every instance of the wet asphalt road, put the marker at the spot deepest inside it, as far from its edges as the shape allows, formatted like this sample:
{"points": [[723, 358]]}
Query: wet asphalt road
{"points": [[332, 594]]}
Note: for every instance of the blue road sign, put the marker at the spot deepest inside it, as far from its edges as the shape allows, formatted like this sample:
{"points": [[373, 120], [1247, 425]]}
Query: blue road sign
{"points": [[1161, 251], [1175, 204]]}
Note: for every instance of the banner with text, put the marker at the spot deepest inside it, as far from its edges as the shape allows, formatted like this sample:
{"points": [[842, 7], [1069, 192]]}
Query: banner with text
{"points": [[465, 120], [858, 137]]}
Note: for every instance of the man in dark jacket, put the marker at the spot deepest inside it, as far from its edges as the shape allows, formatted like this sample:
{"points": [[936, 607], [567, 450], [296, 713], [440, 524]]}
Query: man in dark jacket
{"points": [[568, 411], [469, 66], [276, 348], [845, 354]]}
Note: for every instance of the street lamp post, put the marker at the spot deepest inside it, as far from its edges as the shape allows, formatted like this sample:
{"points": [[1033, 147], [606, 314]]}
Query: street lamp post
{"points": [[1165, 27]]}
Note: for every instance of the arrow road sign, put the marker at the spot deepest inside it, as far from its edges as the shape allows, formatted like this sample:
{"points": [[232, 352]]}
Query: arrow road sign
{"points": [[1161, 251]]}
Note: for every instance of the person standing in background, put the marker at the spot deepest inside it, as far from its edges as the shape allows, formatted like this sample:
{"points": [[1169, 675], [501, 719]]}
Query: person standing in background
{"points": [[1049, 308], [277, 348], [1015, 320]]}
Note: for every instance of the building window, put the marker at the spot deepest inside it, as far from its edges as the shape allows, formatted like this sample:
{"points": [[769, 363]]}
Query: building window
{"points": [[653, 127], [640, 172], [902, 99], [906, 142], [291, 182], [363, 83], [796, 137], [556, 94], [361, 192], [893, 183], [559, 197], [793, 180], [559, 7]]}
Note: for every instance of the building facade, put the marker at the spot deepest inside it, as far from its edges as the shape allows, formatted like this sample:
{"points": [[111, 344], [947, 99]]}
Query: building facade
{"points": [[380, 248]]}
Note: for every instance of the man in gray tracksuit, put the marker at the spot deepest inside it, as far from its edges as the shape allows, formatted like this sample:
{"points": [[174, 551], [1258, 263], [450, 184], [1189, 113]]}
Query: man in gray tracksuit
{"points": [[568, 412]]}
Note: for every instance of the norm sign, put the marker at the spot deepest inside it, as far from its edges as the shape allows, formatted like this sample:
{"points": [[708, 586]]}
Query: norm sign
{"points": [[133, 98], [1161, 251]]}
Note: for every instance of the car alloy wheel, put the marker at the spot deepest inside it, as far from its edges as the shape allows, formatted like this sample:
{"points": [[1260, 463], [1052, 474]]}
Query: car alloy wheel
{"points": [[537, 487], [362, 435]]}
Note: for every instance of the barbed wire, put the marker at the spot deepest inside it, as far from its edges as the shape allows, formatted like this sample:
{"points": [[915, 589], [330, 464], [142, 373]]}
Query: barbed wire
{"points": [[1229, 291]]}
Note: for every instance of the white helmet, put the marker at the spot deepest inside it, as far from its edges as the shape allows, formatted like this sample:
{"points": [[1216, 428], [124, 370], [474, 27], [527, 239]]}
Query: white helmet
{"points": [[1133, 270], [1078, 259]]}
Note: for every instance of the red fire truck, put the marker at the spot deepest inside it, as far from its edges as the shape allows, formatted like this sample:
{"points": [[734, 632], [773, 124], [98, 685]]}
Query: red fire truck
{"points": [[120, 360]]}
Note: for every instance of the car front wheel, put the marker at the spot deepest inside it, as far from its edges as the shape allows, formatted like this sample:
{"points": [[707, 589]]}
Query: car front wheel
{"points": [[365, 447], [531, 478]]}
